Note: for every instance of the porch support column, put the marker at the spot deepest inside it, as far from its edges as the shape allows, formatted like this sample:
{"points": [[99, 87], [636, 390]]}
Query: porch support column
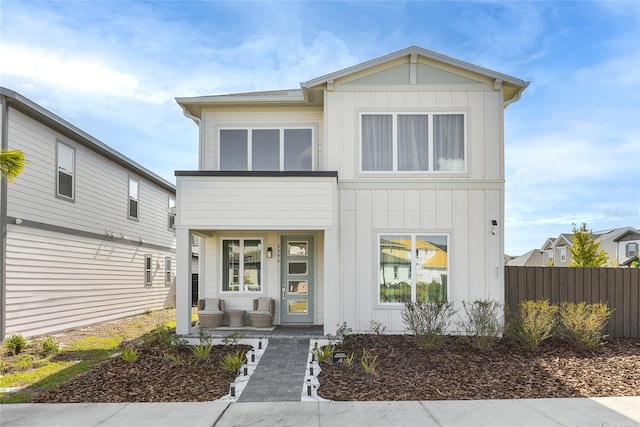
{"points": [[183, 281], [332, 304]]}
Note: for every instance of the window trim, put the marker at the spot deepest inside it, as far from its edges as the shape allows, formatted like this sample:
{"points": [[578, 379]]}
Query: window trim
{"points": [[73, 172], [129, 216], [412, 275], [430, 148], [148, 271], [168, 272], [171, 213], [281, 129], [242, 290]]}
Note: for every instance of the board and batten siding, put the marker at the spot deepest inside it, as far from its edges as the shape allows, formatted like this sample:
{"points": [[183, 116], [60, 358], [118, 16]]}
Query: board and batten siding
{"points": [[101, 189], [57, 281], [462, 210], [236, 117], [483, 106], [230, 203]]}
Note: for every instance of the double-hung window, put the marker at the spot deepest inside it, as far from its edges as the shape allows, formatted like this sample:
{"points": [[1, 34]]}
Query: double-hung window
{"points": [[241, 265], [413, 267], [148, 277], [631, 249], [420, 142], [65, 180], [268, 149], [167, 271], [133, 198]]}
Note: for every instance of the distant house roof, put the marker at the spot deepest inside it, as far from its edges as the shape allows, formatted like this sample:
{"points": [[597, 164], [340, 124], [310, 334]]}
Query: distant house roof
{"points": [[311, 91], [37, 112], [533, 258]]}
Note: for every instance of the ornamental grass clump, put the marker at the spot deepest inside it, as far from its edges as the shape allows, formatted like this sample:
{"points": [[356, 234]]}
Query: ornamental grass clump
{"points": [[532, 323], [482, 324], [233, 362], [129, 354], [428, 320], [581, 324], [369, 362]]}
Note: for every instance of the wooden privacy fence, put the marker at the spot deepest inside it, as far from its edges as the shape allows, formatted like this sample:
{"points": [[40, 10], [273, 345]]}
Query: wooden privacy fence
{"points": [[618, 287]]}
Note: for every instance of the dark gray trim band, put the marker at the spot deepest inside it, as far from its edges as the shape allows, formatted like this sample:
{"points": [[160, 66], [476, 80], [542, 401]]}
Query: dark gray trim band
{"points": [[80, 233], [311, 174]]}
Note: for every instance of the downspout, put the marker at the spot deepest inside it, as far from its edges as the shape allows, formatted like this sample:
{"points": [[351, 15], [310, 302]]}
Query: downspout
{"points": [[198, 121], [4, 137]]}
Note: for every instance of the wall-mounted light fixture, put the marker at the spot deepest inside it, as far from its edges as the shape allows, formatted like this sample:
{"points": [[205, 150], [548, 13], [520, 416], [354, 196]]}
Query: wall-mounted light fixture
{"points": [[269, 252], [494, 226]]}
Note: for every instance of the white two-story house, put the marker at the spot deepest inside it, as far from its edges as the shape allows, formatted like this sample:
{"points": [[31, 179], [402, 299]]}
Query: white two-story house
{"points": [[364, 189], [87, 233]]}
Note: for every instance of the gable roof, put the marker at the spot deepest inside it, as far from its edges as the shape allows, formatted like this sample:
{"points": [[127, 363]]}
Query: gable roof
{"points": [[41, 114], [515, 85], [311, 91]]}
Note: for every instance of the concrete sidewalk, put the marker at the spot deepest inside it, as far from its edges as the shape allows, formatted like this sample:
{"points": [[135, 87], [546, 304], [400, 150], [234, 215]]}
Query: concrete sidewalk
{"points": [[607, 411]]}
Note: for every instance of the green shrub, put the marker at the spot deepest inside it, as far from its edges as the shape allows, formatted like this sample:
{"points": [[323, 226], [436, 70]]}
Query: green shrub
{"points": [[50, 347], [233, 362], [129, 354], [532, 323], [15, 344], [483, 324], [232, 339], [324, 354], [582, 324], [164, 335], [428, 320], [23, 361]]}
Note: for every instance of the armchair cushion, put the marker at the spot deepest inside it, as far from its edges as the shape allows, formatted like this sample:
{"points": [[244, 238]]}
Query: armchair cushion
{"points": [[264, 304], [212, 305]]}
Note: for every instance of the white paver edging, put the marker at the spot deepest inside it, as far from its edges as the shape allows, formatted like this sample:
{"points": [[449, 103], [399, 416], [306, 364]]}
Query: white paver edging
{"points": [[312, 380]]}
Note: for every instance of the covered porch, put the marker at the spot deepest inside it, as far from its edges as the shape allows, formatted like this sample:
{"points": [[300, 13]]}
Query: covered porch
{"points": [[262, 236]]}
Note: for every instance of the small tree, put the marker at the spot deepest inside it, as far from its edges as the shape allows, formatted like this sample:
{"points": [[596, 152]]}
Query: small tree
{"points": [[11, 163], [585, 251]]}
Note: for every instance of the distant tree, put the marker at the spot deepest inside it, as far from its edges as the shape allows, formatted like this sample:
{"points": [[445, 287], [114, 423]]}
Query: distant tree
{"points": [[585, 251], [11, 163]]}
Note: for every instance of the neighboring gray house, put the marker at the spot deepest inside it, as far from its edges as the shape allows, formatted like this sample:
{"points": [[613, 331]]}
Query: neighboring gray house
{"points": [[620, 244], [87, 234], [363, 189]]}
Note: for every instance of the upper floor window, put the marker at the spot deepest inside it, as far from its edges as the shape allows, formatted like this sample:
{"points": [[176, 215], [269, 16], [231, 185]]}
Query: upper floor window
{"points": [[65, 181], [133, 198], [393, 142], [631, 250], [266, 149]]}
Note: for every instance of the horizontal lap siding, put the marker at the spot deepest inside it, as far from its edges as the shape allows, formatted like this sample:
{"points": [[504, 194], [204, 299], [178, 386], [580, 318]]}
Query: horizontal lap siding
{"points": [[56, 281], [618, 287], [101, 189]]}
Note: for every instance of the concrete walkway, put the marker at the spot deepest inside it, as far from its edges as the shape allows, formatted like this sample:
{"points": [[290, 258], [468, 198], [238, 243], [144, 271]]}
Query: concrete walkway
{"points": [[279, 377], [602, 412]]}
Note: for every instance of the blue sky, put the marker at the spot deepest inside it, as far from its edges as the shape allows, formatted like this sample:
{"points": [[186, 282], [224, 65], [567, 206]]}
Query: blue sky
{"points": [[113, 69]]}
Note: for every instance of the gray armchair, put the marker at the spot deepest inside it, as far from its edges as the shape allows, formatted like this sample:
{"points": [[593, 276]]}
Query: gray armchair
{"points": [[264, 311], [210, 312]]}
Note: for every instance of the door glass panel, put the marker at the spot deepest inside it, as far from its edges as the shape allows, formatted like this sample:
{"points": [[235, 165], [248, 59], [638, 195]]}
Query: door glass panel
{"points": [[265, 150], [300, 306], [297, 248], [297, 267], [297, 150], [298, 287]]}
